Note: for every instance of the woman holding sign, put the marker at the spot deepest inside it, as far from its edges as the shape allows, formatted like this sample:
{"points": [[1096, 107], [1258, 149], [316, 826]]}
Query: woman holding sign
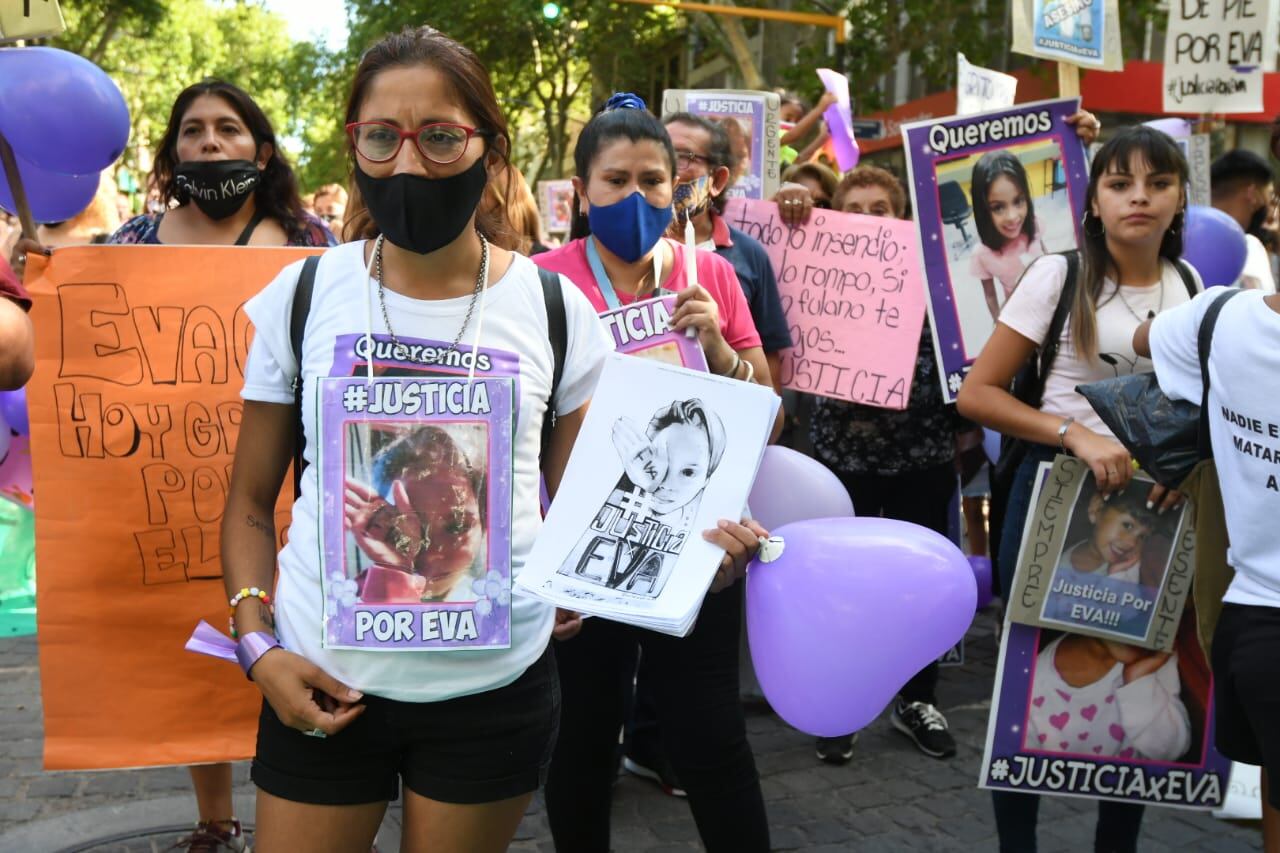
{"points": [[219, 161], [1127, 271], [626, 166], [426, 300]]}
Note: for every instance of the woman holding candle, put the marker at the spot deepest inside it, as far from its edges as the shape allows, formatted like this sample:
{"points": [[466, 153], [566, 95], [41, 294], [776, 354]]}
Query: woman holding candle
{"points": [[625, 166]]}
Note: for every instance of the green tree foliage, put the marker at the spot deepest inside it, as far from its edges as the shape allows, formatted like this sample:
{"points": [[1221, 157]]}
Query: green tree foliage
{"points": [[548, 72], [154, 49]]}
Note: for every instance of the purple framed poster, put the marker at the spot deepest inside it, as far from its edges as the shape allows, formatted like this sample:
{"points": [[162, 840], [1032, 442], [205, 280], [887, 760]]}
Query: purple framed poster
{"points": [[643, 328], [1142, 731], [416, 472], [751, 120], [1028, 169]]}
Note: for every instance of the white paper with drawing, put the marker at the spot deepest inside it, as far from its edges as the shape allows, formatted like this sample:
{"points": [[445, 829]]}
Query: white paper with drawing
{"points": [[663, 454]]}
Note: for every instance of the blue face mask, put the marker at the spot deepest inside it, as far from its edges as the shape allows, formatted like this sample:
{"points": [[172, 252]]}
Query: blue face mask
{"points": [[629, 228]]}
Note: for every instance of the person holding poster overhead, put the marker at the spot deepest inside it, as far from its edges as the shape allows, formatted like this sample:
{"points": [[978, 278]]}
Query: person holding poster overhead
{"points": [[219, 161], [899, 464], [1127, 271], [425, 373], [625, 171]]}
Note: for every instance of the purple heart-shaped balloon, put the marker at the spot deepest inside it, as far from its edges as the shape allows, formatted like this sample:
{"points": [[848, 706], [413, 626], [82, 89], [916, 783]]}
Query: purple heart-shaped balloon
{"points": [[851, 610]]}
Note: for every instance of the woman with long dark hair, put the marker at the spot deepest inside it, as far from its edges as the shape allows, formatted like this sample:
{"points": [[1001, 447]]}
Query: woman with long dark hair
{"points": [[1127, 272], [625, 168], [219, 163]]}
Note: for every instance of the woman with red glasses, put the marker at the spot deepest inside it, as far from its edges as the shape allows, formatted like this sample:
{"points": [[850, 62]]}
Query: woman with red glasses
{"points": [[427, 293]]}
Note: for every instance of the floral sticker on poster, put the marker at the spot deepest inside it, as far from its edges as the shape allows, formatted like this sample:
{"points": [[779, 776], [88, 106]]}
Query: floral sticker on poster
{"points": [[418, 555], [992, 192]]}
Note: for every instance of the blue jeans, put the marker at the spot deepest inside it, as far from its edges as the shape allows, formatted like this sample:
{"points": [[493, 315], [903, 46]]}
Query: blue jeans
{"points": [[1017, 812]]}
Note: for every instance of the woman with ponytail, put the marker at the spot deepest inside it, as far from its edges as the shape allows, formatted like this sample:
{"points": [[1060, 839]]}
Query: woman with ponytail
{"points": [[1127, 272]]}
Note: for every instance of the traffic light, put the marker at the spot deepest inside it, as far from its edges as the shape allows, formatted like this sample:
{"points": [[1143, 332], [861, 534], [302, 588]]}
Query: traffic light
{"points": [[551, 11]]}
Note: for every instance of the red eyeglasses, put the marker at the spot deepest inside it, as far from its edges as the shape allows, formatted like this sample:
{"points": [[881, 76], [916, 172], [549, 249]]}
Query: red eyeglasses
{"points": [[441, 142]]}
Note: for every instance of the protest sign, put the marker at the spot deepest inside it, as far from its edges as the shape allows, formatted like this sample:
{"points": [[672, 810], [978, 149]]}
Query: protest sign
{"points": [[435, 444], [751, 120], [1199, 162], [839, 119], [979, 90], [135, 413], [643, 328], [555, 205], [853, 297], [1075, 715], [1078, 32], [1031, 154], [30, 19], [663, 454], [1104, 568], [1215, 55]]}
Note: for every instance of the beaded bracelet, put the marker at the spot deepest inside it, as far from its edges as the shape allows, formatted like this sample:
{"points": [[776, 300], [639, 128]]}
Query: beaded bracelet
{"points": [[246, 593]]}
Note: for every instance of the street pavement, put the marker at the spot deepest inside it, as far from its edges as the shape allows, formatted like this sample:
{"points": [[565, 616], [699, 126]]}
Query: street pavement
{"points": [[888, 798]]}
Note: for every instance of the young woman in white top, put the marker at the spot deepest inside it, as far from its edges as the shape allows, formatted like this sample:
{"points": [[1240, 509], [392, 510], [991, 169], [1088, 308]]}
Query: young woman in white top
{"points": [[1132, 225]]}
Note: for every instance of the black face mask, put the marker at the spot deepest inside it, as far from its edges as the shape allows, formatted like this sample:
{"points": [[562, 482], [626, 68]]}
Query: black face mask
{"points": [[218, 187], [423, 214], [1255, 221]]}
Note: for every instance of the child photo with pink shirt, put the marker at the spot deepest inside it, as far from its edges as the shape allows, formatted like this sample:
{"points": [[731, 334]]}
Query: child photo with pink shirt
{"points": [[1004, 215]]}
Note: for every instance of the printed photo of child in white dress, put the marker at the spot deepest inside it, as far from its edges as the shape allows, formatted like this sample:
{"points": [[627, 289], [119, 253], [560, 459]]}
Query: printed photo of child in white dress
{"points": [[1099, 698]]}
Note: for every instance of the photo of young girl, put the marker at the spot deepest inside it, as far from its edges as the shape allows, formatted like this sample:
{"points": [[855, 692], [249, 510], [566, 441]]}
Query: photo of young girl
{"points": [[1113, 563], [1005, 217], [414, 505], [634, 540], [1001, 208]]}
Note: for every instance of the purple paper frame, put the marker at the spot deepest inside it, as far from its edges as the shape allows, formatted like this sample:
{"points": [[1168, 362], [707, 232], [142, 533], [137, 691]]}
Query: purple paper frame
{"points": [[691, 354], [954, 360], [1006, 755]]}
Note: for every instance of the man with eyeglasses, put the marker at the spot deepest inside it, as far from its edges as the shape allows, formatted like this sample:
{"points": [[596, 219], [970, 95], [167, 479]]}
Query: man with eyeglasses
{"points": [[1243, 187], [705, 165]]}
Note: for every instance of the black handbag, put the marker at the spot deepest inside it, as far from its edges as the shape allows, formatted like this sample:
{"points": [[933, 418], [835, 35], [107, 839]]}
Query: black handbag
{"points": [[1166, 437]]}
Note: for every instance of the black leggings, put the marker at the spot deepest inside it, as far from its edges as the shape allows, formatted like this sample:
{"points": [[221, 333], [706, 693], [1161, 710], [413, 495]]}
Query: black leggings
{"points": [[920, 497], [694, 682]]}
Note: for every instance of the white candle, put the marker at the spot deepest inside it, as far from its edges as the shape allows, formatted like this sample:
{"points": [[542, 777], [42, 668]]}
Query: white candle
{"points": [[690, 265]]}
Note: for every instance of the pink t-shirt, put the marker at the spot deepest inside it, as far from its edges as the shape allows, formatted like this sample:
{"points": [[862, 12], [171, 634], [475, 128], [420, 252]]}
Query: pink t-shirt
{"points": [[714, 273], [1006, 265]]}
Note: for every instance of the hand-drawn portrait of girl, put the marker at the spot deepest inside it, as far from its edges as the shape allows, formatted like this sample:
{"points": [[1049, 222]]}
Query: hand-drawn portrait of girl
{"points": [[421, 524], [634, 541]]}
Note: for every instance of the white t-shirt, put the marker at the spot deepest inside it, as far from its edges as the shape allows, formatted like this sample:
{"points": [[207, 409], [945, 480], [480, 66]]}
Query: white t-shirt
{"points": [[1256, 274], [1244, 424], [515, 327], [1029, 312]]}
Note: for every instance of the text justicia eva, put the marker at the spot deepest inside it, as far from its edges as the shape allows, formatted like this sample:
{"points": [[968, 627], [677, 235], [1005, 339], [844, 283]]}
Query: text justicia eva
{"points": [[1156, 785]]}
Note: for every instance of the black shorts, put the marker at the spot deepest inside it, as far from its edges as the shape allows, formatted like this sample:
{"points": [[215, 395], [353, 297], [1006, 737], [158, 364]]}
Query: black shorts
{"points": [[474, 749], [1246, 687]]}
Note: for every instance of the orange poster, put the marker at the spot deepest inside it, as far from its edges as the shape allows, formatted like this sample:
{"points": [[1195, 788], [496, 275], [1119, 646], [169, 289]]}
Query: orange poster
{"points": [[135, 410]]}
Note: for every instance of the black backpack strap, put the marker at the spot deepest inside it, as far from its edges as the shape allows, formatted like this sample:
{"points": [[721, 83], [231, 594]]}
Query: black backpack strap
{"points": [[297, 328], [558, 333], [1053, 338], [1204, 341], [1188, 279]]}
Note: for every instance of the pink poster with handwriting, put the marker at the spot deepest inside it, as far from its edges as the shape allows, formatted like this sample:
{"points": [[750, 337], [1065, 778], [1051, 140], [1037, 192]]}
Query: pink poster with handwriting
{"points": [[853, 293]]}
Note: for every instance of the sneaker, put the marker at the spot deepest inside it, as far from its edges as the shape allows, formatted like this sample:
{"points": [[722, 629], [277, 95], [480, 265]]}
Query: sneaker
{"points": [[215, 836], [836, 750], [925, 725], [661, 774]]}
